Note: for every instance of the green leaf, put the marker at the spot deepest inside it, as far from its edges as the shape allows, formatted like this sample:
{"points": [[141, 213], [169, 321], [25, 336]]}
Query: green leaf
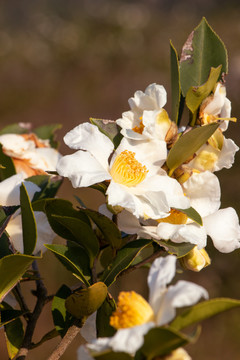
{"points": [[188, 144], [123, 260], [179, 250], [202, 311], [74, 258], [192, 214], [160, 341], [108, 228], [14, 333], [13, 129], [175, 83], [61, 318], [82, 234], [8, 314], [48, 132], [196, 94], [12, 267], [202, 50], [109, 128], [29, 226], [7, 163], [49, 186], [4, 246], [104, 329]]}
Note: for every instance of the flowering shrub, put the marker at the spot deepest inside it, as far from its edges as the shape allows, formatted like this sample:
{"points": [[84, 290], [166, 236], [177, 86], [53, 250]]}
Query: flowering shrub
{"points": [[162, 198]]}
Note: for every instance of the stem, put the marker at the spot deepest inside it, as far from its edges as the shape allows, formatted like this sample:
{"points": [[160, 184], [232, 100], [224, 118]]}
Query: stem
{"points": [[41, 293], [21, 301], [66, 340], [141, 263]]}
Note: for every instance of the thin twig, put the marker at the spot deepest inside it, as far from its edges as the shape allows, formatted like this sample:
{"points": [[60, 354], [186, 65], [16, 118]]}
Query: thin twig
{"points": [[21, 301], [141, 263], [41, 293], [66, 340]]}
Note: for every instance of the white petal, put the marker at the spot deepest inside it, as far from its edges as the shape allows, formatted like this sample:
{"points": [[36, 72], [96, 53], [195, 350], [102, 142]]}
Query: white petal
{"points": [[82, 169], [83, 353], [161, 273], [227, 154], [157, 92], [15, 145], [154, 98], [152, 128], [128, 223], [203, 190], [223, 228], [131, 339], [87, 137], [89, 331], [45, 234], [14, 229], [184, 293], [46, 159]]}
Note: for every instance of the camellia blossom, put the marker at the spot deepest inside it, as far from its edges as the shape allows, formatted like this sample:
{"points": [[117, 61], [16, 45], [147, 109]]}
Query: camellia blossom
{"points": [[10, 196], [30, 155], [203, 191], [136, 180], [135, 316], [147, 120]]}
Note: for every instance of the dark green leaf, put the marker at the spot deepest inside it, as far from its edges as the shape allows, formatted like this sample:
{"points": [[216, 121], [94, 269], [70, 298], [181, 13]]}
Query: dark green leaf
{"points": [[179, 250], [7, 163], [123, 260], [104, 329], [74, 258], [188, 144], [48, 132], [49, 185], [108, 128], [12, 267], [61, 318], [82, 234], [14, 333], [29, 227], [202, 311], [109, 230], [202, 50], [8, 314], [192, 214], [175, 83], [4, 246]]}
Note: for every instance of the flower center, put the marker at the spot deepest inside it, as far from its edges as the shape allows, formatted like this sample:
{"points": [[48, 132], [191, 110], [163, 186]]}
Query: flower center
{"points": [[176, 217], [132, 310], [139, 129], [126, 170]]}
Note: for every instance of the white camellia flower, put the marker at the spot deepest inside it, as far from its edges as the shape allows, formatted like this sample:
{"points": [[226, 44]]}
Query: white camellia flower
{"points": [[147, 120], [10, 196], [30, 155], [135, 316], [222, 225], [136, 180]]}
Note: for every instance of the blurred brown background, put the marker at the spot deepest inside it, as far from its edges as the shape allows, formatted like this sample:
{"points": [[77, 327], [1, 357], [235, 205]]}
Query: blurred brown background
{"points": [[65, 61]]}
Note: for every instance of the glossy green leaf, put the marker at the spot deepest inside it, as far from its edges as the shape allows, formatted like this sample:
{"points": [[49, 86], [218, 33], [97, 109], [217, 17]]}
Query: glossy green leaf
{"points": [[179, 250], [188, 144], [82, 234], [14, 334], [12, 267], [48, 132], [49, 185], [61, 318], [192, 214], [202, 50], [175, 83], [202, 311], [109, 128], [74, 258], [104, 329], [7, 169], [196, 94], [108, 228], [123, 260], [160, 341], [29, 226]]}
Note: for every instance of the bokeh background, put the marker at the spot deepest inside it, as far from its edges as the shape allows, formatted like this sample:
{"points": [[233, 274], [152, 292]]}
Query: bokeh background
{"points": [[65, 61]]}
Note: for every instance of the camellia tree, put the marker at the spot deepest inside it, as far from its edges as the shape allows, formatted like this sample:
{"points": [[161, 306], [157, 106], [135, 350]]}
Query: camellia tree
{"points": [[162, 202]]}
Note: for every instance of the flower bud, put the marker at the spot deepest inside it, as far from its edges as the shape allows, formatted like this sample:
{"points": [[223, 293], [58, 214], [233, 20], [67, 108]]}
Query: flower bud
{"points": [[195, 260], [178, 354]]}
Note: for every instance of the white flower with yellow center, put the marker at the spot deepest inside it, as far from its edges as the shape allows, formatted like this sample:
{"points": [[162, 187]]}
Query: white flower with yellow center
{"points": [[222, 225], [135, 316], [147, 120], [30, 155], [10, 196], [136, 180]]}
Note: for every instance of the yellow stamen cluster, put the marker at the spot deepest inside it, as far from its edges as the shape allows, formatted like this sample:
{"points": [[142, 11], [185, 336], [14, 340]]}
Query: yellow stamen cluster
{"points": [[126, 170], [176, 217], [132, 310], [139, 129]]}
